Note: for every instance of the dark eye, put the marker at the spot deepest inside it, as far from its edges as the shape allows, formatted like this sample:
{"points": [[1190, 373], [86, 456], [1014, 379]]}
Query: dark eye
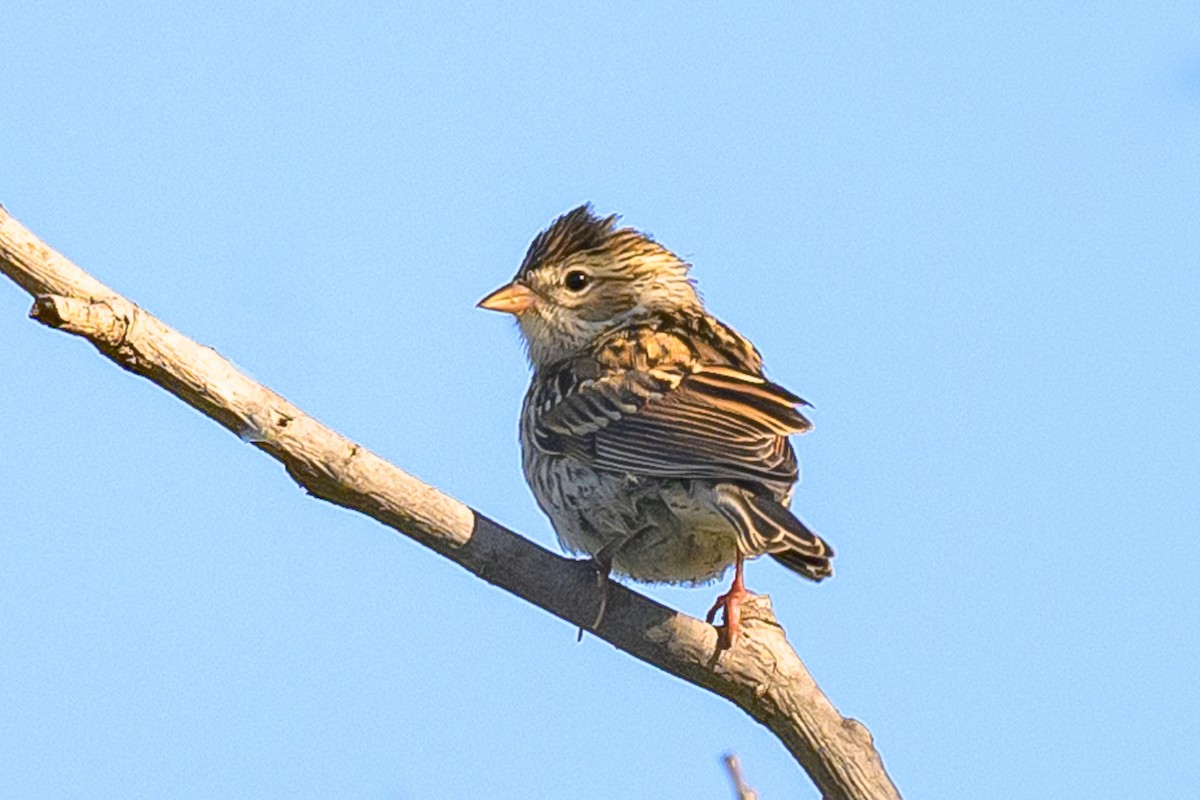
{"points": [[577, 280]]}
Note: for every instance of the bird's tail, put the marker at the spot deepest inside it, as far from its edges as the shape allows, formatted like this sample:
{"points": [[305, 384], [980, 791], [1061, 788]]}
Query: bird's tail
{"points": [[814, 568], [765, 527]]}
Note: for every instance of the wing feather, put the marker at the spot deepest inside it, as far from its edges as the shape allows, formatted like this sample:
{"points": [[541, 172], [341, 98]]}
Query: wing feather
{"points": [[713, 422]]}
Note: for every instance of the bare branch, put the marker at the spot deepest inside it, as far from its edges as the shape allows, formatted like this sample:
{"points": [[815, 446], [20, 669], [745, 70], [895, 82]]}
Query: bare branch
{"points": [[741, 789], [762, 675]]}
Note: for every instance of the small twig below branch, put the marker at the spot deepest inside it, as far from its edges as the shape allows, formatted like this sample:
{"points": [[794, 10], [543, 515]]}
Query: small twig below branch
{"points": [[741, 789]]}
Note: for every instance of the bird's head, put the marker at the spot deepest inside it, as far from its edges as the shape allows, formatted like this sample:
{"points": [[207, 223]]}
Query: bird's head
{"points": [[584, 276]]}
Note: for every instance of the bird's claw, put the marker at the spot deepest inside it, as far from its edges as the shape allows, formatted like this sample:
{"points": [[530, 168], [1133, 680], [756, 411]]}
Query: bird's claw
{"points": [[730, 604], [602, 562]]}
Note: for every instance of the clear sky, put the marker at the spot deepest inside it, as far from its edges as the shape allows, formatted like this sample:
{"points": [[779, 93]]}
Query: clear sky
{"points": [[969, 234]]}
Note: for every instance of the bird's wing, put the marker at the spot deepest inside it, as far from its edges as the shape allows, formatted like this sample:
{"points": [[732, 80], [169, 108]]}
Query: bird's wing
{"points": [[679, 421]]}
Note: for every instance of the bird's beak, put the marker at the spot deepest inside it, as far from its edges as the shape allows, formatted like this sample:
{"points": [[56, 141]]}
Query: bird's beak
{"points": [[515, 298]]}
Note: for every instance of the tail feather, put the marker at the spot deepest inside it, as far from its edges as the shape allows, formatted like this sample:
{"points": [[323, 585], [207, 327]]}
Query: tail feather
{"points": [[764, 526], [815, 569]]}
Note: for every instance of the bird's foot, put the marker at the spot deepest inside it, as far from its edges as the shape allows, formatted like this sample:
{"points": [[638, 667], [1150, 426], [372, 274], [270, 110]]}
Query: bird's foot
{"points": [[602, 562], [730, 606]]}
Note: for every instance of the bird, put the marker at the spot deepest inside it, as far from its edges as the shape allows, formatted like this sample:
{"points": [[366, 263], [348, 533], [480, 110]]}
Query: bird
{"points": [[649, 434]]}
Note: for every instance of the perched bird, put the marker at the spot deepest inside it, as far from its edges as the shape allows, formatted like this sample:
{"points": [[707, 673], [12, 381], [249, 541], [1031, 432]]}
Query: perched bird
{"points": [[649, 434]]}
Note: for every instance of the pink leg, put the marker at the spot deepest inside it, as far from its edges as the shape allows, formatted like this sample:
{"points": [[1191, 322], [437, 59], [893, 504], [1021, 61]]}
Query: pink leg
{"points": [[731, 604]]}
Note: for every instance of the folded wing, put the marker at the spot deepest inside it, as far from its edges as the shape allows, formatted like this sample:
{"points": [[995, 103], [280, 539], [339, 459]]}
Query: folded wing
{"points": [[712, 422]]}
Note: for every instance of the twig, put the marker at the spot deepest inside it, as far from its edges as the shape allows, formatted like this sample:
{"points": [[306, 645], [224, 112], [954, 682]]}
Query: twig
{"points": [[762, 675], [741, 789]]}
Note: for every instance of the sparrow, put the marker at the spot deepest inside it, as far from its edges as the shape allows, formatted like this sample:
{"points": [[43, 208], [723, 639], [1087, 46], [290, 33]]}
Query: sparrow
{"points": [[649, 434]]}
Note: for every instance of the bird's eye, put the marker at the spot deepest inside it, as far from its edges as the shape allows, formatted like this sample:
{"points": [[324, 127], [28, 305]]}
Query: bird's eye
{"points": [[577, 280]]}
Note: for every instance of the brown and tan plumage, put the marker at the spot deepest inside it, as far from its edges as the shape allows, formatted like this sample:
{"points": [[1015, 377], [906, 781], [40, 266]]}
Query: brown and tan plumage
{"points": [[649, 434]]}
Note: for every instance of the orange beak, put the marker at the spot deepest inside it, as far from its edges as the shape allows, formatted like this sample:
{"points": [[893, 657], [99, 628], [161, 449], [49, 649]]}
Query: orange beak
{"points": [[515, 298]]}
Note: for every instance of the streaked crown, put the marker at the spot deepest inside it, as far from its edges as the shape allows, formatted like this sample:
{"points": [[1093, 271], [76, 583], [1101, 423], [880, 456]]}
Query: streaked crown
{"points": [[581, 236]]}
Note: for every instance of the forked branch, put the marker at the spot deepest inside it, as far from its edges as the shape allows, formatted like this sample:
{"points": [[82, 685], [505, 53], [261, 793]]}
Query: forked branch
{"points": [[762, 675]]}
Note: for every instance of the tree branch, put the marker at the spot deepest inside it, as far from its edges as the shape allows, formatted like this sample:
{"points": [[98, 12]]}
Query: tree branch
{"points": [[762, 675]]}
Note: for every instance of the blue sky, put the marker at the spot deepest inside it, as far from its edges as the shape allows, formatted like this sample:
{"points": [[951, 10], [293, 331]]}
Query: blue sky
{"points": [[968, 234]]}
